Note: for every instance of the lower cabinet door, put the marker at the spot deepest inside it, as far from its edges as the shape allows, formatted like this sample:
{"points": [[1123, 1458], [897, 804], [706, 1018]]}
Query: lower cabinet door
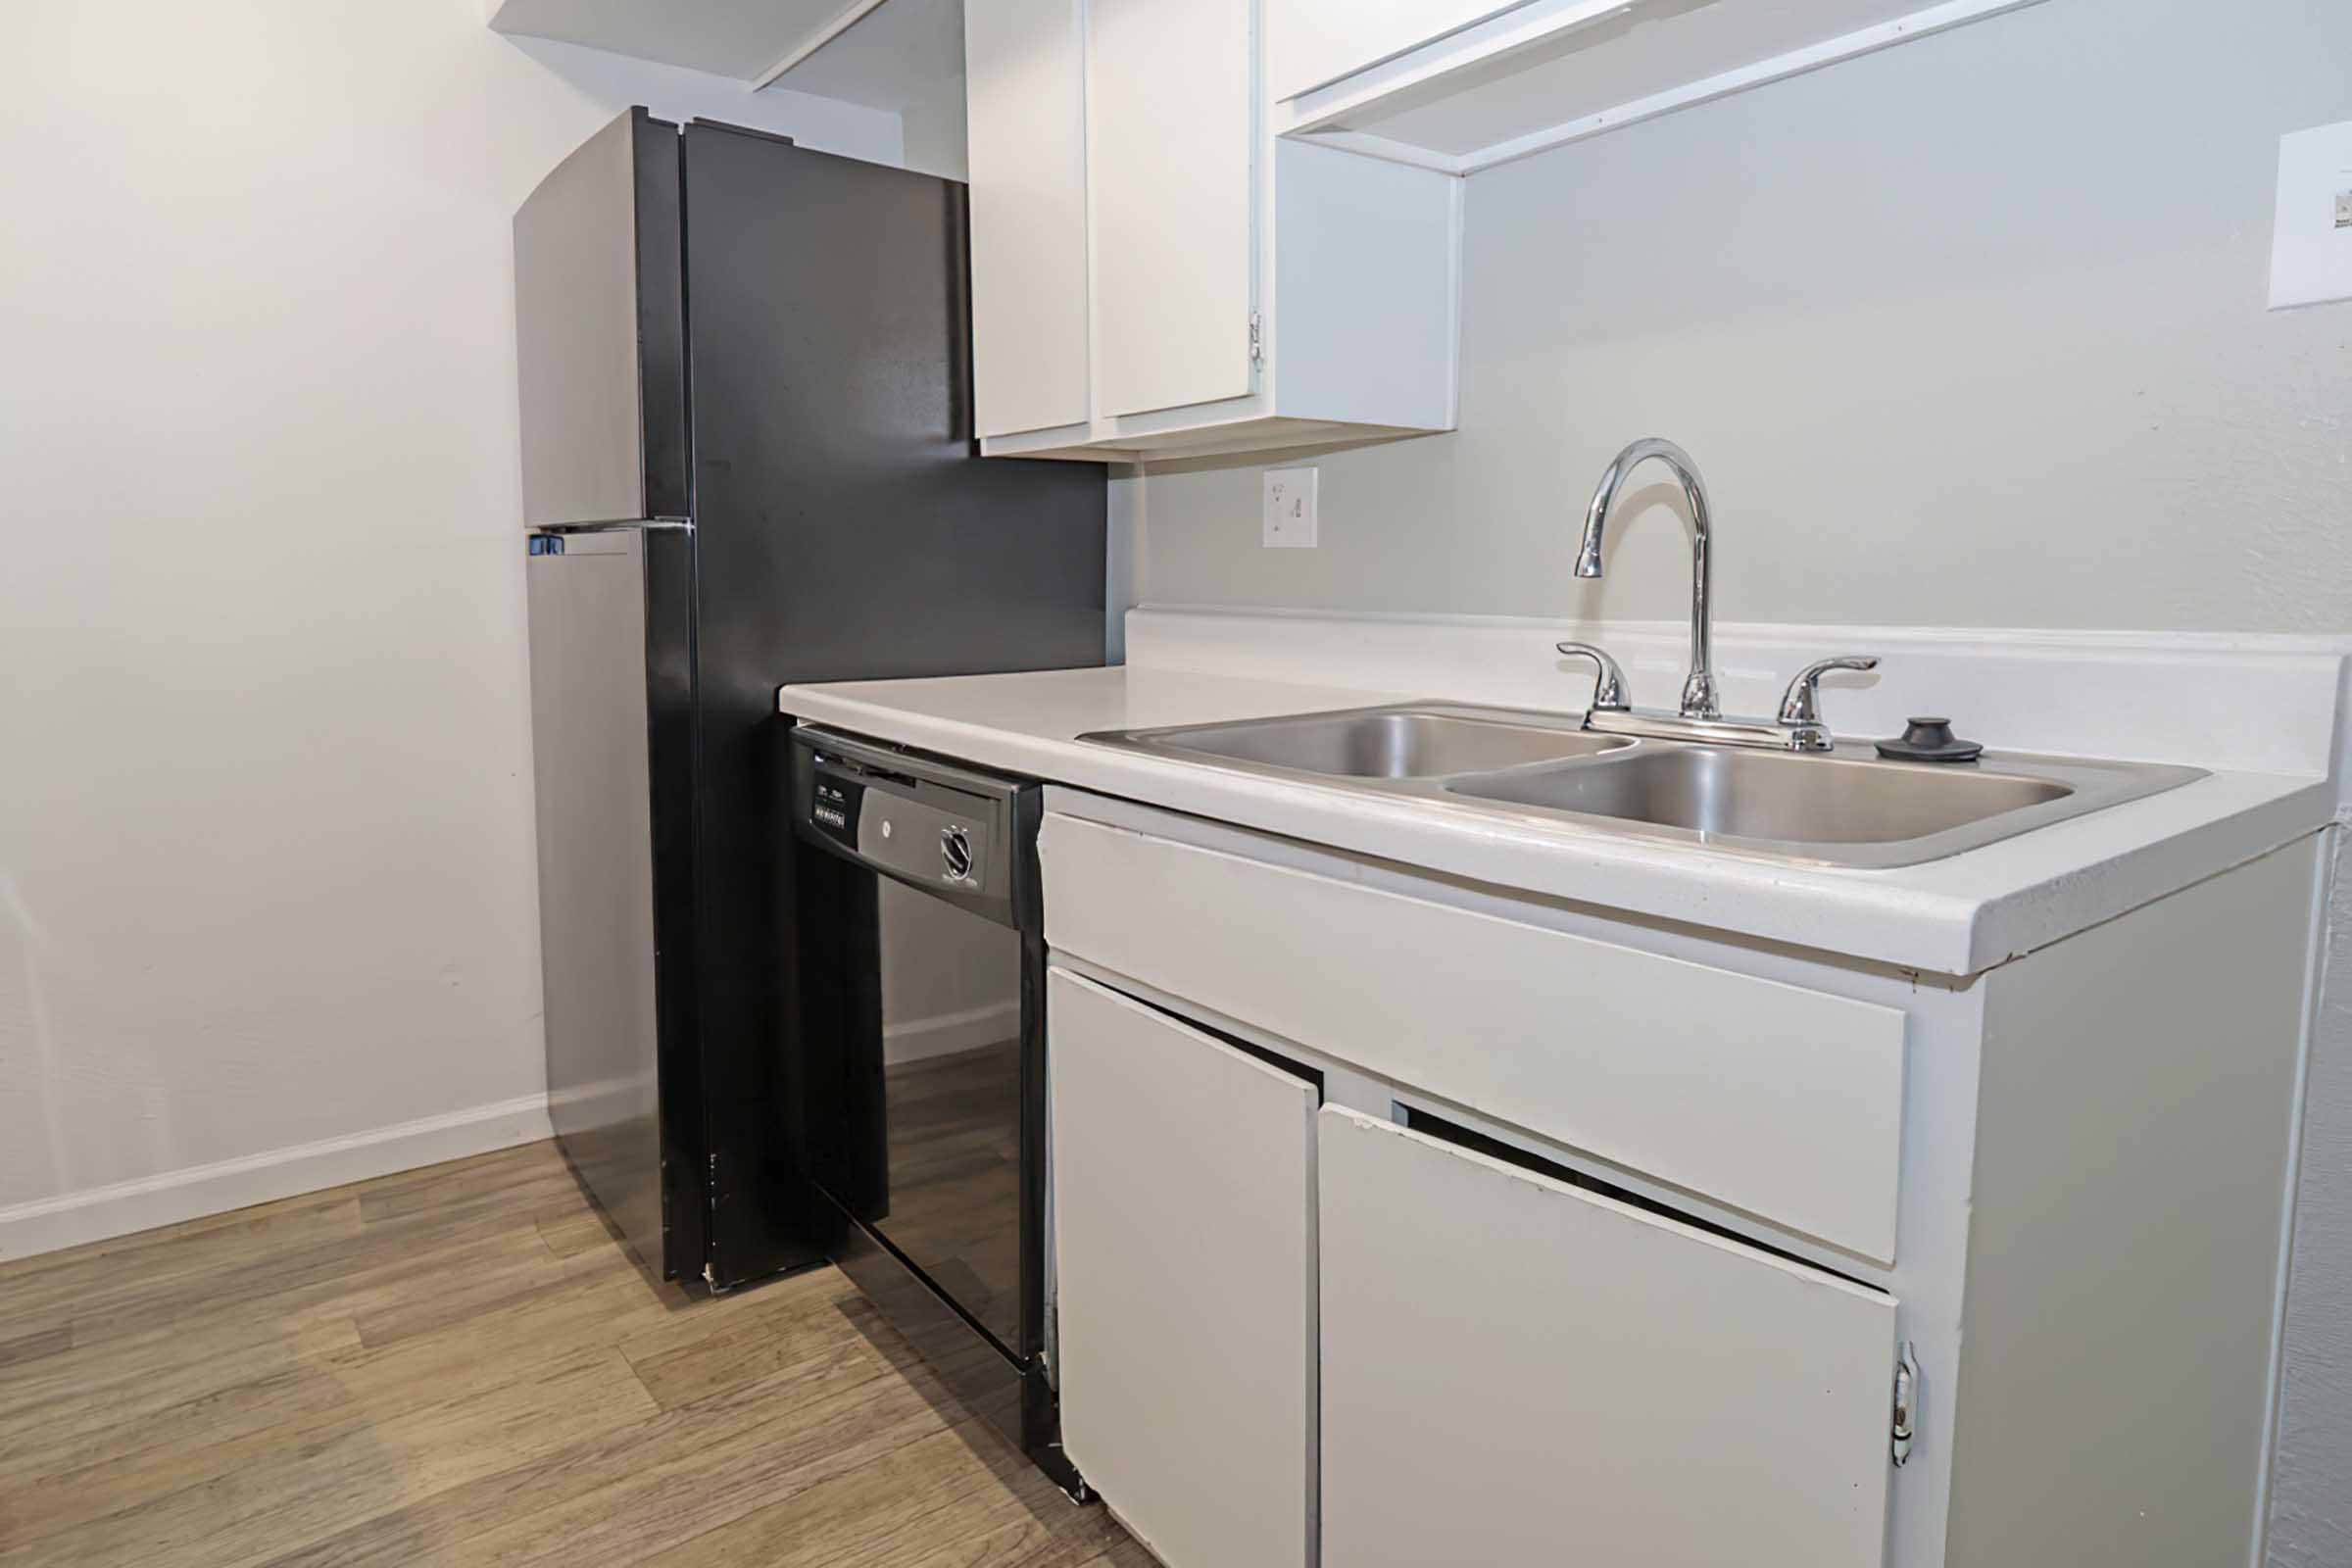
{"points": [[1184, 1192], [1519, 1371]]}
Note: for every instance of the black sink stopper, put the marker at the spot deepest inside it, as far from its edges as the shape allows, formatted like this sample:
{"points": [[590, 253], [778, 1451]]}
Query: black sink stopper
{"points": [[1930, 740]]}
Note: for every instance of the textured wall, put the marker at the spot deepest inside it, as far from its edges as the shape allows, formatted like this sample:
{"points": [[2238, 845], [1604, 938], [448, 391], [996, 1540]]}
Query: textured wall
{"points": [[1968, 332]]}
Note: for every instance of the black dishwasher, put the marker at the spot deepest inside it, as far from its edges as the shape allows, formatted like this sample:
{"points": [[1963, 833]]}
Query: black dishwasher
{"points": [[922, 1054]]}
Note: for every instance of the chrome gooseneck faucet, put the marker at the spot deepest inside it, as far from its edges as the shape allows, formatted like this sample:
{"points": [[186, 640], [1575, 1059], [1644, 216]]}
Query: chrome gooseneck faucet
{"points": [[1699, 699], [1798, 726]]}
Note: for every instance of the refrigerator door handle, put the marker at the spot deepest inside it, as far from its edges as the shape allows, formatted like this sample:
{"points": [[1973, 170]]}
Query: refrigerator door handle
{"points": [[619, 525]]}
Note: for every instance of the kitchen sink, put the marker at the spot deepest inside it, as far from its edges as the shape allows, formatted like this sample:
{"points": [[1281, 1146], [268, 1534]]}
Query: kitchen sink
{"points": [[1387, 743], [1775, 795], [1847, 806]]}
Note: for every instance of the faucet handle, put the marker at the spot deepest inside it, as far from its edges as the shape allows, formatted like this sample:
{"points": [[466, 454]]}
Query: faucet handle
{"points": [[1608, 686], [1800, 707]]}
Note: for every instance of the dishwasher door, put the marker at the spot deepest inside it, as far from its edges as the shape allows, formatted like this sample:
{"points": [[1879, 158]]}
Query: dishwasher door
{"points": [[946, 1054], [920, 1032]]}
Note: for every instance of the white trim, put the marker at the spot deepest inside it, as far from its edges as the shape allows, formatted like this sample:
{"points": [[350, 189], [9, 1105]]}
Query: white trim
{"points": [[98, 1213], [1318, 85], [1417, 69], [2093, 637], [1387, 150], [944, 1034], [1779, 68], [814, 42], [1462, 48]]}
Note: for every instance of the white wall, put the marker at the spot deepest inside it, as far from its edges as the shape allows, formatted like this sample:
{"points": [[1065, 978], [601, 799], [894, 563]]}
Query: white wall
{"points": [[266, 850], [1971, 332]]}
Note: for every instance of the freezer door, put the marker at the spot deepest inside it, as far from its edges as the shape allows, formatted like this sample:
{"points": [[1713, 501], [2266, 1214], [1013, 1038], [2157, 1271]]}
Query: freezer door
{"points": [[600, 332], [592, 775]]}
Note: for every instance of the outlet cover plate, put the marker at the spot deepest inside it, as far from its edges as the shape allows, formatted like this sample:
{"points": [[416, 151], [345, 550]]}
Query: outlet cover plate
{"points": [[2311, 252], [1289, 509]]}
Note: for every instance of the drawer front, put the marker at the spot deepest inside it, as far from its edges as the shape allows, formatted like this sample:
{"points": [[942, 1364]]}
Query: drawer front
{"points": [[1769, 1097], [1515, 1371]]}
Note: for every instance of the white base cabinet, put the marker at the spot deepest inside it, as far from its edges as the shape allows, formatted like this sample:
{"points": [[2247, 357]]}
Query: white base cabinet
{"points": [[1519, 1371], [1550, 1328], [1184, 1176]]}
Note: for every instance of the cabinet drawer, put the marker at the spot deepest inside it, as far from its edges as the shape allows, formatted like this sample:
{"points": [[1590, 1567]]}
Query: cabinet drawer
{"points": [[1515, 1371], [1769, 1097]]}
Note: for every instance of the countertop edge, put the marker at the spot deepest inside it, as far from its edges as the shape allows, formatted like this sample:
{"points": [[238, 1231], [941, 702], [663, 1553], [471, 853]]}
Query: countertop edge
{"points": [[1926, 919]]}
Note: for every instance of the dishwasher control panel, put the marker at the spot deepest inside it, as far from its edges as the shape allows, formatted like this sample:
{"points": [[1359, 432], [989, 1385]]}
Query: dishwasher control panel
{"points": [[925, 824]]}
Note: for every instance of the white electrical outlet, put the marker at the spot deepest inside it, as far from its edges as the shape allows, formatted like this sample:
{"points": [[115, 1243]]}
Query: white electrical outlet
{"points": [[2311, 253], [1289, 509]]}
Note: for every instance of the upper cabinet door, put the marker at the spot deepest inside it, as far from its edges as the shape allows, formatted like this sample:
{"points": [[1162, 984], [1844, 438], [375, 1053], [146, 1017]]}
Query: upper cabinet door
{"points": [[1516, 1370], [1315, 42], [1025, 63], [1171, 130]]}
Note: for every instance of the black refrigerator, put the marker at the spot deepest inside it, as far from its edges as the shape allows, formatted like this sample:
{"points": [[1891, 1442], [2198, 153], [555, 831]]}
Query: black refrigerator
{"points": [[747, 461]]}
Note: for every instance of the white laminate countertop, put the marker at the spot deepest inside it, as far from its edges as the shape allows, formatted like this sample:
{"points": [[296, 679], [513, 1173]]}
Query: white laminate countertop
{"points": [[1955, 916]]}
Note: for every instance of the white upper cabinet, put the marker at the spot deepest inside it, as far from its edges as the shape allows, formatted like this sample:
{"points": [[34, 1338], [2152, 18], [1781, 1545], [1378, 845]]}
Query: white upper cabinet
{"points": [[1025, 64], [1168, 138], [1236, 294]]}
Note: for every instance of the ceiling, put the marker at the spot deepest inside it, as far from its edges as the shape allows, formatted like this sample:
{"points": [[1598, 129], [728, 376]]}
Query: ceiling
{"points": [[729, 38], [903, 49]]}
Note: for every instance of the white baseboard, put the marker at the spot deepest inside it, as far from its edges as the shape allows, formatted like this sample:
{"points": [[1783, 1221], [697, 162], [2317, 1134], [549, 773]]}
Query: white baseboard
{"points": [[946, 1033], [98, 1213]]}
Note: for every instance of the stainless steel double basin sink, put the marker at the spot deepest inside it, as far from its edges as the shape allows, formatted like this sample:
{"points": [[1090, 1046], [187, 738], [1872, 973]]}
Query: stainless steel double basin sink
{"points": [[1846, 807]]}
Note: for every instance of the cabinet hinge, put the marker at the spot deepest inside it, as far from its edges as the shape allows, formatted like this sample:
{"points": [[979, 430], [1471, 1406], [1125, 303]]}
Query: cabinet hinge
{"points": [[1906, 1402], [1258, 338]]}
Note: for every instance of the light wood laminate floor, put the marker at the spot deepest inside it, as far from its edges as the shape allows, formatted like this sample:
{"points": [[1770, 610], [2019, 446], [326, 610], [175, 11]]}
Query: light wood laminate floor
{"points": [[460, 1366]]}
